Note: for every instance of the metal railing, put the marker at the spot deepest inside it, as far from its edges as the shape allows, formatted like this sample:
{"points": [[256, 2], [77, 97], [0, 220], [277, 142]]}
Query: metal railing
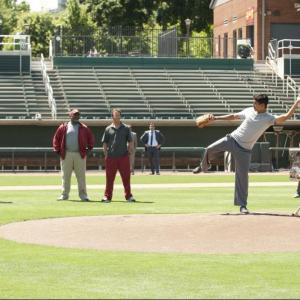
{"points": [[291, 84], [142, 43], [43, 159], [285, 48], [22, 159], [17, 45], [48, 88]]}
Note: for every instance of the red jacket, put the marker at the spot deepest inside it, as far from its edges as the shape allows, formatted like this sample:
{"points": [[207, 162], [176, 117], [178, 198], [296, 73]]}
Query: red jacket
{"points": [[85, 139]]}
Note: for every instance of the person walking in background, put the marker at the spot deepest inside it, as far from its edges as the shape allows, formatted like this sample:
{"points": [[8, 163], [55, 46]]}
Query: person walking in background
{"points": [[71, 141], [117, 145], [133, 150], [240, 142], [152, 140]]}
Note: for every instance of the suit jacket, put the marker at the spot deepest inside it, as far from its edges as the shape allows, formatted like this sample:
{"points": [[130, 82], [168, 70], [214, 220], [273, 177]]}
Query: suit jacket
{"points": [[159, 137]]}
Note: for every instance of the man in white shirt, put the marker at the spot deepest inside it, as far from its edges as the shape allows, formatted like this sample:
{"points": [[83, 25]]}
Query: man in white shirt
{"points": [[240, 142], [153, 139]]}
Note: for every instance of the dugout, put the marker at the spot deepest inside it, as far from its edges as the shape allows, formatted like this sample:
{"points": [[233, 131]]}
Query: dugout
{"points": [[179, 134]]}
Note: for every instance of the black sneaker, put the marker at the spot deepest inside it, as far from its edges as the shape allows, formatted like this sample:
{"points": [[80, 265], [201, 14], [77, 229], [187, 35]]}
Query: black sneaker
{"points": [[244, 210], [197, 170], [105, 200], [130, 199]]}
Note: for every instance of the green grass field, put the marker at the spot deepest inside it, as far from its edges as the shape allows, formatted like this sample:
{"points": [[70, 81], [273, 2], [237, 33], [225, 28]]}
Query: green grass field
{"points": [[30, 271]]}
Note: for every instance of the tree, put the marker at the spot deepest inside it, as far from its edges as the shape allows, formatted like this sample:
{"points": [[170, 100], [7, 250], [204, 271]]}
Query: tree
{"points": [[110, 13], [76, 20], [9, 12], [77, 29], [175, 12], [40, 27]]}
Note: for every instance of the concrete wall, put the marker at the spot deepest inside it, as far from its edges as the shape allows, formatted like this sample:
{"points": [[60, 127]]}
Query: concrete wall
{"points": [[147, 62]]}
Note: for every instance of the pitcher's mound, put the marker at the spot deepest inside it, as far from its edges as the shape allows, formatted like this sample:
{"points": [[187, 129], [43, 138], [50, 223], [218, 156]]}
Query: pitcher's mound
{"points": [[189, 233]]}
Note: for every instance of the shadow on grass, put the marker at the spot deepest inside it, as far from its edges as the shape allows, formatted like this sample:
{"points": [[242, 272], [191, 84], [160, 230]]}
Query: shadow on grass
{"points": [[262, 214], [99, 201], [6, 202]]}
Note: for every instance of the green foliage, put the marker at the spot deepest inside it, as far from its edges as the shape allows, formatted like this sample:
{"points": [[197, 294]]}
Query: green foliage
{"points": [[121, 12], [9, 14], [96, 18], [76, 19], [40, 27], [177, 11]]}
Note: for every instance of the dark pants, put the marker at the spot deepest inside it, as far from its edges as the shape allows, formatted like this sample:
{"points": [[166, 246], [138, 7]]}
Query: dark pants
{"points": [[153, 156], [298, 188], [114, 164], [242, 159]]}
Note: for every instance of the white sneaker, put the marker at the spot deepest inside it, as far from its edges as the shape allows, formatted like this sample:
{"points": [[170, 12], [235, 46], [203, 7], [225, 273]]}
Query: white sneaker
{"points": [[297, 196], [62, 198], [130, 199], [244, 210]]}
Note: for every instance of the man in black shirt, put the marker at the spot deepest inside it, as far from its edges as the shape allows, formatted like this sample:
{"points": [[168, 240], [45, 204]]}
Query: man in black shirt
{"points": [[117, 144]]}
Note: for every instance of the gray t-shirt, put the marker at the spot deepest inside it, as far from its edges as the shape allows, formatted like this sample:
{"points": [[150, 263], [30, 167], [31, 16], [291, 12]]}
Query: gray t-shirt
{"points": [[253, 126], [72, 137], [117, 139]]}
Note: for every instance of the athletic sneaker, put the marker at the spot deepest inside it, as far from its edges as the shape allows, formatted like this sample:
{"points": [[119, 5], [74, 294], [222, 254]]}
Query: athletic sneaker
{"points": [[297, 196], [85, 199], [130, 199], [197, 170], [244, 210], [62, 198], [105, 200]]}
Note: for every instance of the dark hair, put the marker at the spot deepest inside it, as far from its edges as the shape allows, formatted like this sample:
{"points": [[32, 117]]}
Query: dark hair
{"points": [[261, 99]]}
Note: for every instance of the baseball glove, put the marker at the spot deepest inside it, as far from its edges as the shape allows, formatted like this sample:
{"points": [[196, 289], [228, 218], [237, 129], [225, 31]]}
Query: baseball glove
{"points": [[204, 120]]}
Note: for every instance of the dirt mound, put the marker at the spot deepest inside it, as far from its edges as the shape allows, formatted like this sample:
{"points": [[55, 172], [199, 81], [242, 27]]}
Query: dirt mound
{"points": [[189, 233]]}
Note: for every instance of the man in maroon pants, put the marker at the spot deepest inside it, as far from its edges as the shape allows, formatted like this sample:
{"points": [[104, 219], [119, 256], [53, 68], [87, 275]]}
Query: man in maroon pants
{"points": [[117, 144]]}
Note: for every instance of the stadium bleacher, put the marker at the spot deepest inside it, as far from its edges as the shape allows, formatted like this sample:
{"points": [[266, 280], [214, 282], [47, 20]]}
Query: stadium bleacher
{"points": [[141, 93], [165, 93], [22, 96]]}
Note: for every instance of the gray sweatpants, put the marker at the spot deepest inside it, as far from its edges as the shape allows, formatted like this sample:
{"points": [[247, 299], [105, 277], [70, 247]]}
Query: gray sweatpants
{"points": [[242, 159]]}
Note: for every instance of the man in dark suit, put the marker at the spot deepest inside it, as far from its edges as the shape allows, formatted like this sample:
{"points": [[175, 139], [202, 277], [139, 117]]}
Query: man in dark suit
{"points": [[153, 139]]}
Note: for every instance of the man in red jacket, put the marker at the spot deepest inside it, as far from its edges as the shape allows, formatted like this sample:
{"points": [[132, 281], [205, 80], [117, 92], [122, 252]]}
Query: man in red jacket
{"points": [[71, 141]]}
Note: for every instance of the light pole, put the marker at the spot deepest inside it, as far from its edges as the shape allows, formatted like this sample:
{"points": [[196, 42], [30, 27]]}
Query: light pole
{"points": [[188, 26], [1, 21], [26, 39]]}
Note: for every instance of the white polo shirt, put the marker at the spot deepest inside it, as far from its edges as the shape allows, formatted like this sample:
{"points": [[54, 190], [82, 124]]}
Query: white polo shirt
{"points": [[253, 126]]}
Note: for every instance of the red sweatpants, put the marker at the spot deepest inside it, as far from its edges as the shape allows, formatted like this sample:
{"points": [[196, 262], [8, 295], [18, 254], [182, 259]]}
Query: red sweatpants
{"points": [[114, 164]]}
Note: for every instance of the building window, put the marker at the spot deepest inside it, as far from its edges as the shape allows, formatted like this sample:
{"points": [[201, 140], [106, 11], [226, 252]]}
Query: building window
{"points": [[219, 46], [234, 40], [240, 33], [225, 45], [250, 34]]}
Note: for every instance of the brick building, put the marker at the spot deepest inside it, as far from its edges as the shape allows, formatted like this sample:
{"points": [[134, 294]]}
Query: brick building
{"points": [[259, 21]]}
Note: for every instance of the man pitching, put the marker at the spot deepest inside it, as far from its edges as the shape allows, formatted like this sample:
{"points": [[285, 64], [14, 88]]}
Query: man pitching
{"points": [[256, 120]]}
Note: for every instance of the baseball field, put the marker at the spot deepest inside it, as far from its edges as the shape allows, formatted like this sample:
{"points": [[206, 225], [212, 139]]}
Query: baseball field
{"points": [[183, 238]]}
